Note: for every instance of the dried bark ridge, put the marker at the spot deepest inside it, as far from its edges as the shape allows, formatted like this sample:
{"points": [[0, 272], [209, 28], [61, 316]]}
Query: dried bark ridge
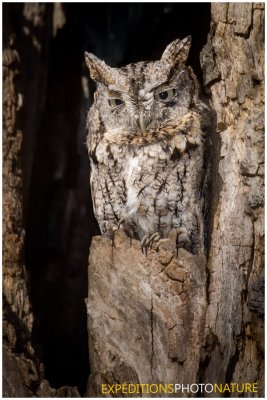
{"points": [[141, 311], [18, 318], [14, 278], [236, 257], [25, 51]]}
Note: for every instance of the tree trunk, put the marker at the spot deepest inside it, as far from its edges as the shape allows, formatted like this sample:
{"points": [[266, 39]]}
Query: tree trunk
{"points": [[234, 324], [162, 319], [141, 313], [18, 317], [27, 32]]}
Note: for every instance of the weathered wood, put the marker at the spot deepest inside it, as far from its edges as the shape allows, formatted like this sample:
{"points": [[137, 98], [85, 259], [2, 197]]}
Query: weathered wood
{"points": [[236, 255], [21, 370], [14, 276], [27, 29], [162, 318], [165, 319], [145, 313]]}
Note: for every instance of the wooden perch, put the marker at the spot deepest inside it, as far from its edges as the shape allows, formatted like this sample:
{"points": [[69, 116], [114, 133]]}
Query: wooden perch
{"points": [[146, 314]]}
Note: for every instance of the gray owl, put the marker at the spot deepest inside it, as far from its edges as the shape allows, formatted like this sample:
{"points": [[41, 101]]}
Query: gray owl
{"points": [[146, 142]]}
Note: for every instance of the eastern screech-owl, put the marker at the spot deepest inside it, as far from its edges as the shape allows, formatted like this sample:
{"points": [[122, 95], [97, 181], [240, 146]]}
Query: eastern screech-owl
{"points": [[146, 136]]}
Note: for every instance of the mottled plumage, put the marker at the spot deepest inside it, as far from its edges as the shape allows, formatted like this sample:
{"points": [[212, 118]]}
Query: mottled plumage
{"points": [[146, 135]]}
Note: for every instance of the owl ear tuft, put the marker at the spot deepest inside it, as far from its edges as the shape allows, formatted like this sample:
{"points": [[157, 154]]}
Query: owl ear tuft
{"points": [[99, 70], [177, 51]]}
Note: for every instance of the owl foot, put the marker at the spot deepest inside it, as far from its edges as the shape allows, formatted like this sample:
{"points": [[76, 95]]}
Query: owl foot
{"points": [[148, 241], [110, 233], [182, 239], [128, 228]]}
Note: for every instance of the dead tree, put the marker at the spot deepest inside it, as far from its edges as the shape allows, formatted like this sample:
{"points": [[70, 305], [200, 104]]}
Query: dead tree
{"points": [[28, 29], [159, 318], [162, 319]]}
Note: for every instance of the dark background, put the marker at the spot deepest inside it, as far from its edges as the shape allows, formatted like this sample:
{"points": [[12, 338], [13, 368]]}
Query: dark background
{"points": [[58, 214]]}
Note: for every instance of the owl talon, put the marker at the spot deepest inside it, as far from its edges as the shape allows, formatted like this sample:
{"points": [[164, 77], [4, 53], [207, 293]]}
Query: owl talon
{"points": [[147, 242], [182, 239], [128, 228], [110, 233]]}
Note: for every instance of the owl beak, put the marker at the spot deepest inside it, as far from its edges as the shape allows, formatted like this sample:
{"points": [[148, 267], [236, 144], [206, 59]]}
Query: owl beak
{"points": [[143, 121]]}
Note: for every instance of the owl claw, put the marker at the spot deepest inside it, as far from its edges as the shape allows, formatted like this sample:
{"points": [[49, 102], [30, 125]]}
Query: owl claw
{"points": [[110, 233], [145, 244], [148, 240], [182, 239], [128, 228]]}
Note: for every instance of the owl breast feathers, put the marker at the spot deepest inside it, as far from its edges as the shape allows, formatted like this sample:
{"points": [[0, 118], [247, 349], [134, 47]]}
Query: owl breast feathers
{"points": [[146, 142]]}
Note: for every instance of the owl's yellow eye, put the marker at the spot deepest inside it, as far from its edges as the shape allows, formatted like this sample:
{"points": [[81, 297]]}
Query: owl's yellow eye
{"points": [[115, 102], [166, 95]]}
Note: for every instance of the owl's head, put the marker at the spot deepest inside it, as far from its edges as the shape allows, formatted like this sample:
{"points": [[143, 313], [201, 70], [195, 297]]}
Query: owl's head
{"points": [[144, 95]]}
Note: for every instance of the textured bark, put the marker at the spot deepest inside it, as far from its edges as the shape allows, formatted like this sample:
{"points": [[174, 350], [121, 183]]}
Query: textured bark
{"points": [[234, 315], [141, 313], [165, 319], [27, 30], [18, 317]]}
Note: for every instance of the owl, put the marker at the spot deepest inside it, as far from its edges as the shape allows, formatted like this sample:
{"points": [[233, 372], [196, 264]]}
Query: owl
{"points": [[146, 142]]}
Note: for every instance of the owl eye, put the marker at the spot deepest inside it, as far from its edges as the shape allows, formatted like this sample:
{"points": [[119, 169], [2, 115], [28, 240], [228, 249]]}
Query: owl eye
{"points": [[166, 95], [115, 102]]}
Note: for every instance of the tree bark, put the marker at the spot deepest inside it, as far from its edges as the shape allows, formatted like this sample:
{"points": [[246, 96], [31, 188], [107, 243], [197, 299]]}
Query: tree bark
{"points": [[141, 313], [233, 320], [18, 317], [27, 31], [162, 319]]}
